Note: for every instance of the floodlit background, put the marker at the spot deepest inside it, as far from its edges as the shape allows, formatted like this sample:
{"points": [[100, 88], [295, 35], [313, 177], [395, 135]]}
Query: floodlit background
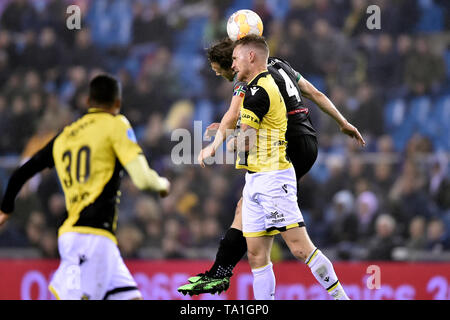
{"points": [[387, 202]]}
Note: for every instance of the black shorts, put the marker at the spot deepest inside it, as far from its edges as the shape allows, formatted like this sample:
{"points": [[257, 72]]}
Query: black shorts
{"points": [[302, 151]]}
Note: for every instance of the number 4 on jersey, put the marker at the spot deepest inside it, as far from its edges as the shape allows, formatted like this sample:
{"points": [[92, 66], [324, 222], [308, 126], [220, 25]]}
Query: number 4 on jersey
{"points": [[291, 89]]}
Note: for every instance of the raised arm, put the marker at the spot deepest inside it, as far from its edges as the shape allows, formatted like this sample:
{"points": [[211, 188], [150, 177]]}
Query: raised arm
{"points": [[145, 178], [41, 160], [321, 100], [227, 124]]}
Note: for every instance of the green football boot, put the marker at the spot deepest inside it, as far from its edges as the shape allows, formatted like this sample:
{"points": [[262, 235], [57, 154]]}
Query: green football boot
{"points": [[202, 283]]}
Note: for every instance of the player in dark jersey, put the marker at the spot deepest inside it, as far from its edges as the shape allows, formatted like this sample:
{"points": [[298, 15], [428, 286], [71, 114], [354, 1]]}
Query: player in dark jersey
{"points": [[301, 149], [89, 156]]}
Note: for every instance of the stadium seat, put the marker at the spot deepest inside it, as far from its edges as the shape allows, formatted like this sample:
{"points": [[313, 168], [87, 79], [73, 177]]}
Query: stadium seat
{"points": [[439, 123], [419, 110], [431, 17], [394, 114]]}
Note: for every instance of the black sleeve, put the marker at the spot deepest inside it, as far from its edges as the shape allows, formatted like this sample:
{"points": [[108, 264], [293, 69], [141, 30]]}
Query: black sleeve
{"points": [[289, 69], [41, 160], [257, 101]]}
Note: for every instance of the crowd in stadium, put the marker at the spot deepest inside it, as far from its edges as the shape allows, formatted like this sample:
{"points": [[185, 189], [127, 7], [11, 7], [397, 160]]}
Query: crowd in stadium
{"points": [[392, 84]]}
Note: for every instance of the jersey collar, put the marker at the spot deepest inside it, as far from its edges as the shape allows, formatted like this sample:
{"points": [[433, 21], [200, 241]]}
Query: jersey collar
{"points": [[96, 110], [257, 77]]}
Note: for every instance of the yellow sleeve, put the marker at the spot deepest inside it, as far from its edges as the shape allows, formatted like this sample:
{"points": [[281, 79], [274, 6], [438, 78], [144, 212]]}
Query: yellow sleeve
{"points": [[248, 117], [143, 177], [124, 141]]}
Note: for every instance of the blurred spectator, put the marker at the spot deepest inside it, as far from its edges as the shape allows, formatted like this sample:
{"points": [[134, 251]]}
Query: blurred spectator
{"points": [[297, 48], [130, 239], [216, 27], [355, 22], [27, 57], [439, 182], [18, 131], [403, 50], [407, 196], [417, 235], [57, 211], [383, 177], [342, 223], [18, 16], [329, 10], [160, 70], [35, 227], [355, 172], [49, 244], [424, 70], [367, 117], [85, 53], [382, 62], [150, 23], [329, 49], [336, 180], [366, 211], [196, 230], [171, 248], [385, 240], [9, 54], [50, 53], [437, 237], [385, 145], [212, 232]]}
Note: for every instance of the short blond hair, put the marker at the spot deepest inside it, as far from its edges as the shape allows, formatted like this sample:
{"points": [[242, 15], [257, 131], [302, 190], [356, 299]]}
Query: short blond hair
{"points": [[256, 41]]}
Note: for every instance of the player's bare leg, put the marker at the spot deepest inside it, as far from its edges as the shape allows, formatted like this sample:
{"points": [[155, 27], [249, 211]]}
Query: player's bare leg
{"points": [[262, 269], [237, 221], [232, 248], [302, 248]]}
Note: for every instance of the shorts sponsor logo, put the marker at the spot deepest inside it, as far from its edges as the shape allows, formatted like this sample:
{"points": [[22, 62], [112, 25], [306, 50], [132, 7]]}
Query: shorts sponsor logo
{"points": [[275, 217]]}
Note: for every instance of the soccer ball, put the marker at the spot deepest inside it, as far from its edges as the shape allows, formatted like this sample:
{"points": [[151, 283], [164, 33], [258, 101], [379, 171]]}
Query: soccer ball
{"points": [[242, 23]]}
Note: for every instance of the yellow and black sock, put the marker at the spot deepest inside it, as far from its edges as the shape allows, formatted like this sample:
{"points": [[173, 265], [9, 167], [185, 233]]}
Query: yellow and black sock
{"points": [[322, 269]]}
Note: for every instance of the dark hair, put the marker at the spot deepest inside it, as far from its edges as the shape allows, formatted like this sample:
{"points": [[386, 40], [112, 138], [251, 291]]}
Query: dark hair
{"points": [[104, 90], [254, 40], [222, 53]]}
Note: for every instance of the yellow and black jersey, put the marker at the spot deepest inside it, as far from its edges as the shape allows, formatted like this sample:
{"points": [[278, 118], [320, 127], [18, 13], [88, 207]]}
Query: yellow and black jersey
{"points": [[89, 156], [263, 109]]}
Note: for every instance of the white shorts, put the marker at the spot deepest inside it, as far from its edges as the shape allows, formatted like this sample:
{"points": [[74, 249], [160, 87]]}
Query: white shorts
{"points": [[269, 203], [91, 268]]}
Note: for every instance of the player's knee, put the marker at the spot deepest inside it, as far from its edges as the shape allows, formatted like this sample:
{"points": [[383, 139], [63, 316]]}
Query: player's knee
{"points": [[299, 251], [256, 255]]}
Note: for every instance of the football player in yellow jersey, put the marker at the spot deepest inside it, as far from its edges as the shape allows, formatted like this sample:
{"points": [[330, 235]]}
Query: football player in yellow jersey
{"points": [[301, 149], [89, 156], [270, 193]]}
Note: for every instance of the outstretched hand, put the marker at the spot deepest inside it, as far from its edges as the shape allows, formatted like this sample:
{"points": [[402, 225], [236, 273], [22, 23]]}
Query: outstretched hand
{"points": [[211, 130], [205, 153], [351, 131], [164, 193]]}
